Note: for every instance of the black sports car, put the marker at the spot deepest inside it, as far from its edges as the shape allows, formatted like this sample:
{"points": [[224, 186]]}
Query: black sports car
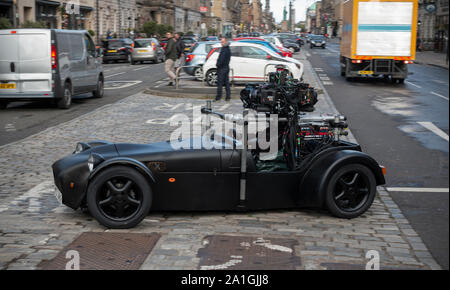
{"points": [[121, 183]]}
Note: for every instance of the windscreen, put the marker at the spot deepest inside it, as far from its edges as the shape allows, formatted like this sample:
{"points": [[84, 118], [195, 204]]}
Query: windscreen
{"points": [[142, 43], [115, 44]]}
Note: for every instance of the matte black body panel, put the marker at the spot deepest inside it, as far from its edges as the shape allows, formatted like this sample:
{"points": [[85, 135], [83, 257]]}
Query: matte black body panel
{"points": [[209, 180]]}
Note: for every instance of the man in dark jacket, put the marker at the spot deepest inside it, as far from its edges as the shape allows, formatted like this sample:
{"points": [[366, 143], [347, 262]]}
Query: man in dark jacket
{"points": [[223, 70], [171, 57], [180, 50]]}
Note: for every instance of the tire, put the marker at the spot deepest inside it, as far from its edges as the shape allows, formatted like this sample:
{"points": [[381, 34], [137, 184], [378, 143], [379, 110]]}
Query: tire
{"points": [[350, 191], [212, 78], [400, 81], [66, 100], [98, 93], [198, 73], [3, 105], [119, 197]]}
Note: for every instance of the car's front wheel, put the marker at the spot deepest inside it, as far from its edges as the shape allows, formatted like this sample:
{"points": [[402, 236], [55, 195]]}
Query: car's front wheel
{"points": [[119, 197], [351, 191], [212, 78]]}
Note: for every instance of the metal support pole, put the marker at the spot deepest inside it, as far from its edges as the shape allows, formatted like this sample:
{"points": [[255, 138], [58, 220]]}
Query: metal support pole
{"points": [[97, 15], [14, 11], [243, 183]]}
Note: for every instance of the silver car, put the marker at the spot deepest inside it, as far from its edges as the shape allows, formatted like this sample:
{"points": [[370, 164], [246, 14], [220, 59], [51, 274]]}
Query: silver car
{"points": [[147, 49], [48, 64], [197, 57]]}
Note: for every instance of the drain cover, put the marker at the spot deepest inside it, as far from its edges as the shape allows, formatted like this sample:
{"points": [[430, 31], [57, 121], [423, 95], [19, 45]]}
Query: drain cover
{"points": [[248, 253], [106, 251]]}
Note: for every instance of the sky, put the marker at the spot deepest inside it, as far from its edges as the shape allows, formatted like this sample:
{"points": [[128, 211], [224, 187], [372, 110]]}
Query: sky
{"points": [[277, 7]]}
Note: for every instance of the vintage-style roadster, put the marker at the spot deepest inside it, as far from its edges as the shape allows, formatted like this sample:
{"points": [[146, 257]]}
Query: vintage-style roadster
{"points": [[121, 183]]}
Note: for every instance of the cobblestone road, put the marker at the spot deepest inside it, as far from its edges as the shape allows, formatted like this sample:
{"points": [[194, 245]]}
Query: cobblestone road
{"points": [[33, 227]]}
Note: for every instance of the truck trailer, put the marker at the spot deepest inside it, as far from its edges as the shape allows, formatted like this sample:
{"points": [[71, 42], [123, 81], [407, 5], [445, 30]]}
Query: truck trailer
{"points": [[378, 38]]}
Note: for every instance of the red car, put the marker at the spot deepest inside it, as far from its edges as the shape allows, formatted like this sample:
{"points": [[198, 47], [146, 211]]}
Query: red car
{"points": [[286, 52]]}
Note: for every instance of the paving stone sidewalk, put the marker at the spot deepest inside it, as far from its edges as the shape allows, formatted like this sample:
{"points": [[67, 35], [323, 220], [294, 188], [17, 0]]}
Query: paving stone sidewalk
{"points": [[33, 227]]}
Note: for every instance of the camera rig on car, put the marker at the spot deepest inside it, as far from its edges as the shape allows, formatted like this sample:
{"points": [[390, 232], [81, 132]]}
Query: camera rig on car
{"points": [[300, 136]]}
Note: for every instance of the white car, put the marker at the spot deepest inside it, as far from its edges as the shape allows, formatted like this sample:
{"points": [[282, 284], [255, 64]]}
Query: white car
{"points": [[249, 63], [274, 40]]}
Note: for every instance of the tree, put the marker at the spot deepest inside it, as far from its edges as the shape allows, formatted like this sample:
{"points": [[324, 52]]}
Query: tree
{"points": [[5, 23], [212, 31], [91, 32], [149, 28], [31, 24]]}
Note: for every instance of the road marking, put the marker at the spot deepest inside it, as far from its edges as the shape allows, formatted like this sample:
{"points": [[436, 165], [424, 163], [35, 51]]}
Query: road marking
{"points": [[410, 83], [433, 128], [308, 54], [10, 128], [441, 96], [141, 68], [325, 83], [121, 73], [121, 84], [32, 197], [332, 50], [416, 189]]}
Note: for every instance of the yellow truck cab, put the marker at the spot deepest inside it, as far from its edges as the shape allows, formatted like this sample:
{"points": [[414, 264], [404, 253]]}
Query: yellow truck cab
{"points": [[378, 38]]}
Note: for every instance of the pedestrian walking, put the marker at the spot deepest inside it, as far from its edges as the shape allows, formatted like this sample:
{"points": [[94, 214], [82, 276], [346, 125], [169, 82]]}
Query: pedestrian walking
{"points": [[223, 70], [171, 57], [180, 50]]}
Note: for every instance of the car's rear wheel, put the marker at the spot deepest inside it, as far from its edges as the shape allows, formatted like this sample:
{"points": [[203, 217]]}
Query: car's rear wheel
{"points": [[351, 191], [198, 73], [66, 100], [212, 78], [119, 197], [98, 93]]}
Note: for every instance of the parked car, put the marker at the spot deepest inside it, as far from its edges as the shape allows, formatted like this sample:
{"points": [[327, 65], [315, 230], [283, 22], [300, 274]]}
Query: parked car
{"points": [[211, 38], [147, 49], [189, 43], [163, 42], [48, 64], [197, 57], [117, 50], [292, 37], [318, 41], [248, 62], [288, 43], [277, 42], [262, 42]]}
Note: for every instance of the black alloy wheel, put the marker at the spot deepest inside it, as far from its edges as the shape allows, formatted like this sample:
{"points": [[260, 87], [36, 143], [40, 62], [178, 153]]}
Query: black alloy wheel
{"points": [[119, 197], [351, 191]]}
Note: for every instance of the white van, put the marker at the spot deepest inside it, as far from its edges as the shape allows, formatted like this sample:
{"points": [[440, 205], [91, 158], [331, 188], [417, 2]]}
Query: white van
{"points": [[48, 64]]}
